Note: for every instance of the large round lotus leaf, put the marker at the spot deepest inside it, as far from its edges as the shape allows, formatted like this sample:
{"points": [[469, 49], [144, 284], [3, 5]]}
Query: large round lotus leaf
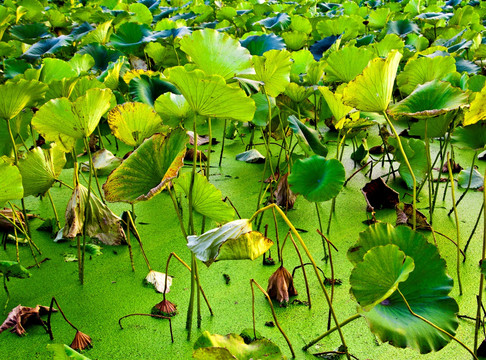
{"points": [[10, 183], [62, 121], [206, 198], [316, 178], [56, 69], [232, 241], [102, 55], [216, 53], [30, 33], [232, 346], [40, 168], [258, 45], [209, 95], [426, 290], [279, 22], [132, 123], [430, 99], [273, 69], [13, 269], [387, 44], [347, 63], [377, 277], [47, 46], [372, 90], [149, 169], [424, 69], [477, 110], [16, 96], [130, 36]]}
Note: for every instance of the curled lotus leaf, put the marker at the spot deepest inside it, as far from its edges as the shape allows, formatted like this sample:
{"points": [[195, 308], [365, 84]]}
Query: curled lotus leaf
{"points": [[103, 161], [13, 269], [426, 290], [317, 178], [377, 277], [429, 100], [372, 90], [232, 241], [133, 122], [335, 103], [149, 169], [11, 183]]}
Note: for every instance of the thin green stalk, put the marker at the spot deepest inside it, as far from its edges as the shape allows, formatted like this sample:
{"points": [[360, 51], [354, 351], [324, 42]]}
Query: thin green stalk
{"points": [[468, 183], [481, 278], [320, 228], [179, 217], [6, 291], [252, 281], [314, 265], [458, 262], [130, 251], [93, 169], [32, 245], [222, 143], [442, 154], [405, 158], [139, 239], [429, 172], [190, 308], [54, 209], [303, 270], [330, 331], [435, 326]]}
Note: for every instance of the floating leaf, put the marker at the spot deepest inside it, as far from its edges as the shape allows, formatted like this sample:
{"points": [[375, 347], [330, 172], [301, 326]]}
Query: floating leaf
{"points": [[477, 179], [232, 241], [206, 198], [132, 123], [149, 169], [251, 156], [316, 178]]}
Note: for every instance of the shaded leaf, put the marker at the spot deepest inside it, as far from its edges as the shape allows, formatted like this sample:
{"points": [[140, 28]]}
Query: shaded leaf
{"points": [[308, 138], [258, 45]]}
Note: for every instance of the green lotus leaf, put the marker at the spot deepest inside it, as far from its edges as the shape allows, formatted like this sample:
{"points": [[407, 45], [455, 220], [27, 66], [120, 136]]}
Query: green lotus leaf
{"points": [[477, 109], [103, 161], [63, 121], [302, 60], [64, 352], [424, 69], [261, 113], [335, 103], [347, 63], [100, 222], [82, 63], [316, 178], [16, 96], [389, 43], [232, 241], [173, 108], [132, 123], [141, 14], [101, 35], [20, 130], [149, 169], [298, 93], [477, 179], [426, 290], [307, 138], [111, 76], [402, 27], [378, 18], [11, 184], [14, 67], [30, 33], [102, 55], [372, 90], [206, 198], [210, 96], [13, 269], [232, 346], [130, 36], [251, 156], [279, 22], [47, 47], [430, 99], [377, 277], [472, 136], [40, 168], [82, 85], [273, 69], [436, 127], [415, 151], [300, 23], [216, 53], [259, 45], [295, 40], [55, 70], [147, 89]]}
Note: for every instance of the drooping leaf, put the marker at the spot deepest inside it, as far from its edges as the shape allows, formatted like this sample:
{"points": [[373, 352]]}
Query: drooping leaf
{"points": [[472, 136], [149, 169], [102, 55], [62, 121], [405, 217], [147, 89], [426, 290], [173, 108], [379, 195], [316, 178], [281, 286], [47, 47], [372, 90], [261, 113], [132, 123], [158, 281], [335, 103], [30, 33], [232, 241], [16, 96], [402, 27], [258, 45], [378, 276], [11, 183], [308, 138], [103, 161], [319, 47], [284, 196], [206, 198], [40, 168], [216, 53]]}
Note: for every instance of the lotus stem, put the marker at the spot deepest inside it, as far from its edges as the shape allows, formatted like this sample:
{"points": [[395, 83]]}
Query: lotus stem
{"points": [[198, 295], [452, 241], [58, 224], [468, 184], [6, 291], [303, 271], [190, 308], [326, 256], [129, 243], [442, 154], [139, 239], [405, 158], [458, 262], [429, 172], [387, 154], [208, 163], [473, 231], [252, 281], [16, 218], [302, 243], [330, 331], [276, 234], [176, 209], [481, 279], [332, 276], [151, 315], [51, 308], [222, 143], [435, 326]]}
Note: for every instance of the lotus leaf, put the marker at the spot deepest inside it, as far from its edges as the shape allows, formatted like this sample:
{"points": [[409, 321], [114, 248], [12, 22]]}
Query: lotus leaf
{"points": [[103, 161], [415, 151], [62, 121], [232, 241], [40, 168], [209, 95], [477, 179], [430, 99], [47, 46], [16, 96], [30, 33], [261, 113], [347, 63], [207, 199], [378, 276], [472, 136], [426, 290], [372, 90], [132, 123], [477, 109], [216, 53], [279, 22], [13, 269], [149, 169], [335, 104], [402, 27], [64, 352], [251, 156], [294, 40], [316, 178], [147, 89], [11, 184], [319, 47], [172, 108], [102, 55], [389, 43], [82, 63], [273, 69], [307, 138], [258, 45]]}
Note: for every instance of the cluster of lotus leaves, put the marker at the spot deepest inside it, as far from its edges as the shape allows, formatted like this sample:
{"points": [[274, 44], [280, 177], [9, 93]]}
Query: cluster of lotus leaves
{"points": [[386, 259]]}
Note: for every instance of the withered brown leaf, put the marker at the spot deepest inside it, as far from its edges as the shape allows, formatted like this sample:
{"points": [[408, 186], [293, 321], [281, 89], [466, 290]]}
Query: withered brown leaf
{"points": [[379, 195], [20, 316], [405, 217], [281, 286], [284, 197]]}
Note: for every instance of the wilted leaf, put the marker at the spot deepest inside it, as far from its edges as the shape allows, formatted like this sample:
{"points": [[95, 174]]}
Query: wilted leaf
{"points": [[21, 316], [157, 280], [379, 195], [284, 197], [405, 217], [281, 286]]}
